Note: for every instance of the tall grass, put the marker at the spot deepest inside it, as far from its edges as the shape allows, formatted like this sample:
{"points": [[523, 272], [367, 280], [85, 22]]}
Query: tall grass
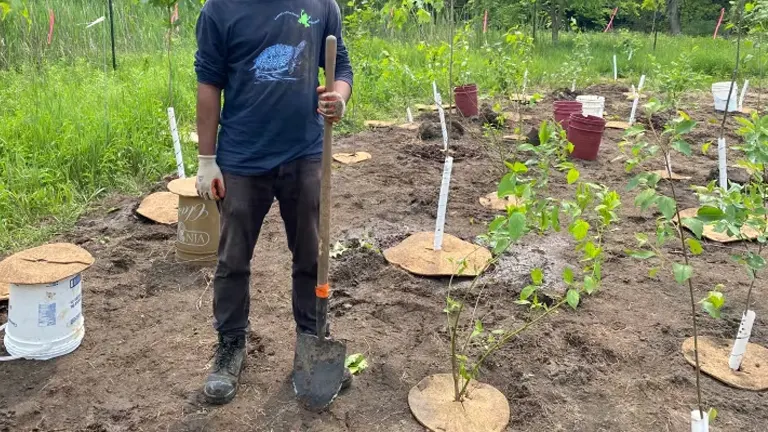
{"points": [[71, 129]]}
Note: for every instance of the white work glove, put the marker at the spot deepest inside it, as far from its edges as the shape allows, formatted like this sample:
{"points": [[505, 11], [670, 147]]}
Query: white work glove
{"points": [[331, 105], [210, 182]]}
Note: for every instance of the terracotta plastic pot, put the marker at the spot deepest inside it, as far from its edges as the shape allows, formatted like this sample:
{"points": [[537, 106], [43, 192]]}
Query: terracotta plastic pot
{"points": [[563, 111], [466, 99], [586, 133]]}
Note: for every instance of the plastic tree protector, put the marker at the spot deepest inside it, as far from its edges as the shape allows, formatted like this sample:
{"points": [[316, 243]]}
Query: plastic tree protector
{"points": [[441, 111], [615, 69], [743, 94], [442, 204], [699, 424], [636, 101], [176, 142], [409, 115], [742, 340], [722, 162]]}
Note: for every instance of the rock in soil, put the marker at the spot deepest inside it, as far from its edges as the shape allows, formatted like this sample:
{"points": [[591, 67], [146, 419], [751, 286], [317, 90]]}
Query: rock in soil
{"points": [[565, 94], [533, 137], [432, 130], [488, 116], [736, 175]]}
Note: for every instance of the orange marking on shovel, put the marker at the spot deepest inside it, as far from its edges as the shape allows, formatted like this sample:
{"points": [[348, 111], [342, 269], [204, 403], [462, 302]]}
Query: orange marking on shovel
{"points": [[323, 291]]}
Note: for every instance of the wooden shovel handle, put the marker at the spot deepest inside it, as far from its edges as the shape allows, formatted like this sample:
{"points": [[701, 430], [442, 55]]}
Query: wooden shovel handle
{"points": [[323, 290]]}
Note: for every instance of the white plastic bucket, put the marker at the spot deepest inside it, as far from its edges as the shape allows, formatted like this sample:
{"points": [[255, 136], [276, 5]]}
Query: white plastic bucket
{"points": [[592, 105], [720, 94], [45, 321]]}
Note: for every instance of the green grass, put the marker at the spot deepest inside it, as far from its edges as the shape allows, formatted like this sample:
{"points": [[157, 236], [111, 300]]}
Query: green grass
{"points": [[72, 130]]}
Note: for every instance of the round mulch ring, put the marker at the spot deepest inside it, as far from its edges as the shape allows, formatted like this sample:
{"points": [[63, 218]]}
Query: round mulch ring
{"points": [[351, 158], [663, 174], [748, 232], [417, 255], [713, 358], [493, 202], [160, 207], [484, 408]]}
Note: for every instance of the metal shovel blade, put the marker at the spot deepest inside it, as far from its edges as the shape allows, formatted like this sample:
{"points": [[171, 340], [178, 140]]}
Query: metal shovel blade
{"points": [[318, 369]]}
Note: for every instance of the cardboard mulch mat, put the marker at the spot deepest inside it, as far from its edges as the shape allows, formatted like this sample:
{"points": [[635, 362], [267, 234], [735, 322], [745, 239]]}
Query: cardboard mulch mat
{"points": [[184, 187], [484, 409], [516, 117], [515, 137], [416, 254], [410, 126], [521, 98], [4, 291], [351, 158], [617, 125], [747, 111], [45, 264], [749, 233], [433, 107], [160, 207], [713, 358], [493, 202], [377, 124], [663, 174]]}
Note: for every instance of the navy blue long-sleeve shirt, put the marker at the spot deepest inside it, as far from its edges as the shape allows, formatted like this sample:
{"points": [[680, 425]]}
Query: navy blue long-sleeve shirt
{"points": [[265, 55]]}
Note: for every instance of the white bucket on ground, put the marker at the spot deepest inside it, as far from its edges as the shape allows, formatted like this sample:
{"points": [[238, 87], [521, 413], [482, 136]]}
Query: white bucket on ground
{"points": [[592, 105], [720, 93], [45, 321]]}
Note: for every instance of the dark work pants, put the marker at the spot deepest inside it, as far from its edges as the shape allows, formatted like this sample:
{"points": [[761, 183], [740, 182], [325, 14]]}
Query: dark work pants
{"points": [[296, 185]]}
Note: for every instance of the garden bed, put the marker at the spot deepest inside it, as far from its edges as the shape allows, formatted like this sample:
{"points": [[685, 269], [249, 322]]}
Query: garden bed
{"points": [[613, 365]]}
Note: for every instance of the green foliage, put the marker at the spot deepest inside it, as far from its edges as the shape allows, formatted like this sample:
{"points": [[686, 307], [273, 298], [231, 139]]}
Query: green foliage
{"points": [[356, 363], [674, 78], [714, 302]]}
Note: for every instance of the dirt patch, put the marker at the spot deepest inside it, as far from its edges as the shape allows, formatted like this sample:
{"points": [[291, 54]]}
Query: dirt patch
{"points": [[614, 365]]}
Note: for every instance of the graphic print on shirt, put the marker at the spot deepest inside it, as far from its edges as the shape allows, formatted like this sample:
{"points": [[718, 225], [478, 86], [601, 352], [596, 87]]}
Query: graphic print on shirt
{"points": [[278, 63], [303, 18]]}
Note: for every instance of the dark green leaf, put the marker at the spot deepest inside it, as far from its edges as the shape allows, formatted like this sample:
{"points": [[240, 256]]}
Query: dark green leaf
{"points": [[695, 225], [684, 127], [709, 214], [667, 206], [755, 262], [682, 146], [645, 198], [516, 226]]}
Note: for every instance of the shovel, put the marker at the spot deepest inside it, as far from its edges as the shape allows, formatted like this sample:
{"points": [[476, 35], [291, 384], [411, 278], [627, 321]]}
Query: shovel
{"points": [[318, 364]]}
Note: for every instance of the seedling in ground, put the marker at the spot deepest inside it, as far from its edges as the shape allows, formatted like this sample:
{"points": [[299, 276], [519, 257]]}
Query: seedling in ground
{"points": [[646, 144], [588, 215]]}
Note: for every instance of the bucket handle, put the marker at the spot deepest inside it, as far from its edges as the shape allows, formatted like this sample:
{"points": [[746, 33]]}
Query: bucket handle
{"points": [[11, 358], [7, 358]]}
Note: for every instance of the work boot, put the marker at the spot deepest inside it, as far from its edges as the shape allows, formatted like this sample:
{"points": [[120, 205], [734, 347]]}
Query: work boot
{"points": [[222, 382]]}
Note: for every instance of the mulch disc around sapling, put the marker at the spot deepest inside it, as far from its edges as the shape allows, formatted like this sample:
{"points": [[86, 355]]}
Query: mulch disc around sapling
{"points": [[617, 125], [184, 187], [663, 174], [160, 207], [713, 358], [484, 409], [4, 291], [493, 202], [709, 232], [417, 255], [351, 158], [378, 124], [45, 264]]}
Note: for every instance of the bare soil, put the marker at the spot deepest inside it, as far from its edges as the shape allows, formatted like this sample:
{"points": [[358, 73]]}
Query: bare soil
{"points": [[613, 365]]}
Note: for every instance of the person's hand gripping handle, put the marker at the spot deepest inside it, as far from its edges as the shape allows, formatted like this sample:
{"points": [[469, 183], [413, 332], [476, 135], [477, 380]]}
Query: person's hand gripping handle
{"points": [[323, 288]]}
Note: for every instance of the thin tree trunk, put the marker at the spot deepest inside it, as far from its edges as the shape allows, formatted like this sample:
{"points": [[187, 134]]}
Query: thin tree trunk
{"points": [[555, 12], [673, 10], [655, 29], [535, 18]]}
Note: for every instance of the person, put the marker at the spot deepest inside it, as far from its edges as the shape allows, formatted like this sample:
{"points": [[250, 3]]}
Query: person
{"points": [[264, 144]]}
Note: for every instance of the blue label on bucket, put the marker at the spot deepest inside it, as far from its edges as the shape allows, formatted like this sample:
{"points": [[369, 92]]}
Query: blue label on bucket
{"points": [[74, 282], [46, 314]]}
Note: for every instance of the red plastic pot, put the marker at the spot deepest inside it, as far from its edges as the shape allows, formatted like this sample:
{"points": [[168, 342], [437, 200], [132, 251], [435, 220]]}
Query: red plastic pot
{"points": [[466, 99], [563, 111], [586, 133]]}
